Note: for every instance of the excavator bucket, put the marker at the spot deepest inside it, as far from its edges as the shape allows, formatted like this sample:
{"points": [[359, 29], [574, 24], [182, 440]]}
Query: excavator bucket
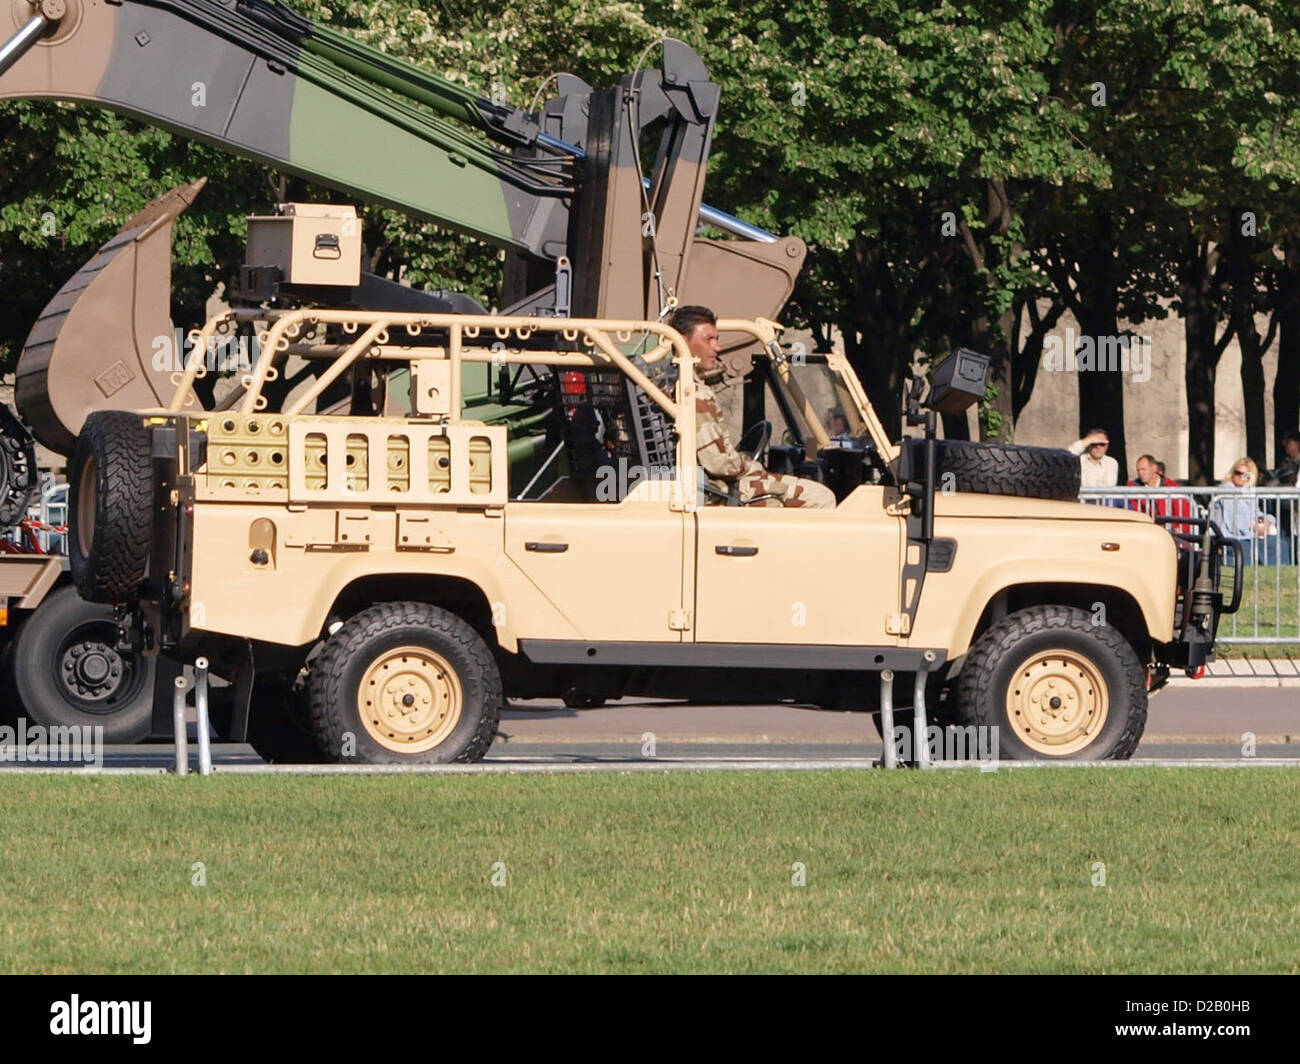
{"points": [[95, 343]]}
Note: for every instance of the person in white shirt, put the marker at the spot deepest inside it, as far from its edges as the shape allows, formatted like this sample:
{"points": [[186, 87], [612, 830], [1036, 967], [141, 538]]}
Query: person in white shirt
{"points": [[1097, 469]]}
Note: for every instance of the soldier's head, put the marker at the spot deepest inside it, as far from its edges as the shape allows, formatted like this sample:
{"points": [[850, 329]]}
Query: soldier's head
{"points": [[699, 326], [1291, 445]]}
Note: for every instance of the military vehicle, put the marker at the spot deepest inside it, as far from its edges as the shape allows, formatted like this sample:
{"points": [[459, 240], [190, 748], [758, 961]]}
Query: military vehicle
{"points": [[375, 578], [384, 565]]}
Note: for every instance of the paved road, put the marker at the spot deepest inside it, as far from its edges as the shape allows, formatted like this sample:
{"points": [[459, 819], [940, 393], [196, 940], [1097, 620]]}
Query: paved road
{"points": [[1200, 723]]}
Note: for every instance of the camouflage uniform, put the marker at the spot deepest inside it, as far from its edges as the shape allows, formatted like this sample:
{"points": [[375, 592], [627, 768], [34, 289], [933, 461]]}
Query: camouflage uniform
{"points": [[725, 465]]}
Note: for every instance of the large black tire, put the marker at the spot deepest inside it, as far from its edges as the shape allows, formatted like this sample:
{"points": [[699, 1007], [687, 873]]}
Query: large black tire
{"points": [[1002, 469], [1051, 680], [396, 651], [63, 670], [111, 504]]}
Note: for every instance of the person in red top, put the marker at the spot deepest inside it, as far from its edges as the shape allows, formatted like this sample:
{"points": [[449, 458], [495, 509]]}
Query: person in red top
{"points": [[1149, 476]]}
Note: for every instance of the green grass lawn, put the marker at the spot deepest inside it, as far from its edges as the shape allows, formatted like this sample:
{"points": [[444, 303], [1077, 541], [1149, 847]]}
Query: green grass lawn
{"points": [[905, 872], [1270, 609]]}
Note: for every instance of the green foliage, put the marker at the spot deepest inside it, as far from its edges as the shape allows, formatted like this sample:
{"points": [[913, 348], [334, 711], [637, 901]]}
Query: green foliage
{"points": [[73, 176]]}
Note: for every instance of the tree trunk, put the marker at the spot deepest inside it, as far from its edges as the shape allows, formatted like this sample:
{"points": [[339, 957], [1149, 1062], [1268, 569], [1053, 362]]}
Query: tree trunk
{"points": [[998, 421], [1252, 389], [1248, 340], [1101, 389], [1286, 386], [1196, 291], [880, 368], [879, 338], [1027, 347], [955, 426]]}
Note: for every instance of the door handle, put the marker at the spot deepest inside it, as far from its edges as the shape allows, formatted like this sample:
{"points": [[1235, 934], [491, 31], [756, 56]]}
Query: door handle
{"points": [[735, 552], [546, 548]]}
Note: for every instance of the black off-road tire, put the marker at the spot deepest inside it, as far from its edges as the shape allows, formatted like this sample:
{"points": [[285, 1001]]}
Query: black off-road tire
{"points": [[44, 690], [999, 655], [111, 503], [1002, 469], [363, 641]]}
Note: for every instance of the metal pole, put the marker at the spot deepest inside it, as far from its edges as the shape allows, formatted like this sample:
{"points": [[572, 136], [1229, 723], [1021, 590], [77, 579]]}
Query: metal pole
{"points": [[918, 712], [178, 727], [887, 717], [19, 45], [201, 708]]}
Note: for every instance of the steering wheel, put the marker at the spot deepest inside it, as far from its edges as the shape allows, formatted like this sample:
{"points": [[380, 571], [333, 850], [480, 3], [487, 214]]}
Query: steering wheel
{"points": [[762, 430]]}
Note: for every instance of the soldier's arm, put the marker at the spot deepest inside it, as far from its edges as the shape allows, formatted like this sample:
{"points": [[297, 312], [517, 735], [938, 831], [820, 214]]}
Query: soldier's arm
{"points": [[712, 448], [718, 459]]}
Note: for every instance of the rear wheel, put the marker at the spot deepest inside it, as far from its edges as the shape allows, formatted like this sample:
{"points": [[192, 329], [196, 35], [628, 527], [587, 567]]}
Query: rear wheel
{"points": [[405, 682], [65, 669], [1057, 687]]}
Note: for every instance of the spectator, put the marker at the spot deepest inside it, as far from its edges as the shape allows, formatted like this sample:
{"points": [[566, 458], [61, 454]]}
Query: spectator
{"points": [[836, 423], [1288, 471], [1241, 518], [1150, 474], [1097, 469], [1286, 475]]}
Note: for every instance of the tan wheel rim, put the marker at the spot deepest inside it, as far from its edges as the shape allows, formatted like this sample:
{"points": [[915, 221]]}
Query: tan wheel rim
{"points": [[1057, 703], [86, 508], [410, 700]]}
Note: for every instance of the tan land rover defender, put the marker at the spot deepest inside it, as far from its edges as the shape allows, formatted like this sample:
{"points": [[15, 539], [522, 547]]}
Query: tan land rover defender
{"points": [[374, 584]]}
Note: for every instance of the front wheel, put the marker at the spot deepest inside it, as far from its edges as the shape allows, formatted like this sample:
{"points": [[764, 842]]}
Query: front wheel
{"points": [[1056, 686], [405, 682]]}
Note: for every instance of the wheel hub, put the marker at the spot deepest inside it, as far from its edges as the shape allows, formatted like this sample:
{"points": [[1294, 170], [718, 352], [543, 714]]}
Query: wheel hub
{"points": [[93, 669], [1057, 702], [410, 699]]}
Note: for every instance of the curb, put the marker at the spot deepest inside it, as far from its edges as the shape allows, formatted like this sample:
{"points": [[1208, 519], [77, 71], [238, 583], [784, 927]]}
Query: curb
{"points": [[1246, 672]]}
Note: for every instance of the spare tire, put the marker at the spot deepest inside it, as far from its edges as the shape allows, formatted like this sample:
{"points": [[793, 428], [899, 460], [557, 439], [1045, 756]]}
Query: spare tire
{"points": [[1002, 469], [111, 503]]}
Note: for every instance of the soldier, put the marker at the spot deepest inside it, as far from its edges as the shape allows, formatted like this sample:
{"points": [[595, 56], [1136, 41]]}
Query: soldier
{"points": [[719, 459]]}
